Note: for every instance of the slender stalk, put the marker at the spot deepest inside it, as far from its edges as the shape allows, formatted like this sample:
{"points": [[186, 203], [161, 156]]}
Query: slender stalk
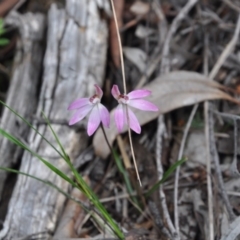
{"points": [[132, 150], [120, 48], [133, 156], [125, 89]]}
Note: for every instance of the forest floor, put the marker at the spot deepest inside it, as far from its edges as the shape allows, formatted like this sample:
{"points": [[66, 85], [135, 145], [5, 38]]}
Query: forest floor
{"points": [[169, 46]]}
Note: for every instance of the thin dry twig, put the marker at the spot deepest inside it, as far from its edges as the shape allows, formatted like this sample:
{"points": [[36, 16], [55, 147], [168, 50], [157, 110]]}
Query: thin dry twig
{"points": [[165, 66], [215, 157], [208, 159], [154, 63], [18, 5], [228, 49], [160, 132], [163, 25], [232, 5], [208, 163], [226, 115]]}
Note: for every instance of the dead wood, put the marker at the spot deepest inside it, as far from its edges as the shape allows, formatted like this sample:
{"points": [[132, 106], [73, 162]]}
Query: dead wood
{"points": [[74, 61], [22, 95]]}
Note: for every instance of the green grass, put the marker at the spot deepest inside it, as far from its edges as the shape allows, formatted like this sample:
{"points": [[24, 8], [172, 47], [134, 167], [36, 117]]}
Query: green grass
{"points": [[3, 41]]}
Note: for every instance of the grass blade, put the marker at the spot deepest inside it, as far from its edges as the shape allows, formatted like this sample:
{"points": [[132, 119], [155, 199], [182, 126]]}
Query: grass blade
{"points": [[4, 41], [82, 185], [31, 126], [47, 183], [48, 164], [56, 137], [165, 176]]}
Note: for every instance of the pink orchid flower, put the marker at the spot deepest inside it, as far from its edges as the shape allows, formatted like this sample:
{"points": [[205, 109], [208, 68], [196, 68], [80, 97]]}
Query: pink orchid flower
{"points": [[133, 99], [98, 113]]}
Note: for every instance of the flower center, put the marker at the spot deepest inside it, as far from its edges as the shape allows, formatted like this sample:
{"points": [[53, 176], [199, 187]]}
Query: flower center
{"points": [[94, 99], [123, 98]]}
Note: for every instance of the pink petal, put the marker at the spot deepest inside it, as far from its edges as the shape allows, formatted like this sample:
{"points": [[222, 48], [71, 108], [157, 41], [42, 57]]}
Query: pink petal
{"points": [[104, 115], [79, 103], [80, 114], [99, 91], [133, 122], [143, 105], [93, 121], [115, 92], [141, 93], [119, 117]]}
